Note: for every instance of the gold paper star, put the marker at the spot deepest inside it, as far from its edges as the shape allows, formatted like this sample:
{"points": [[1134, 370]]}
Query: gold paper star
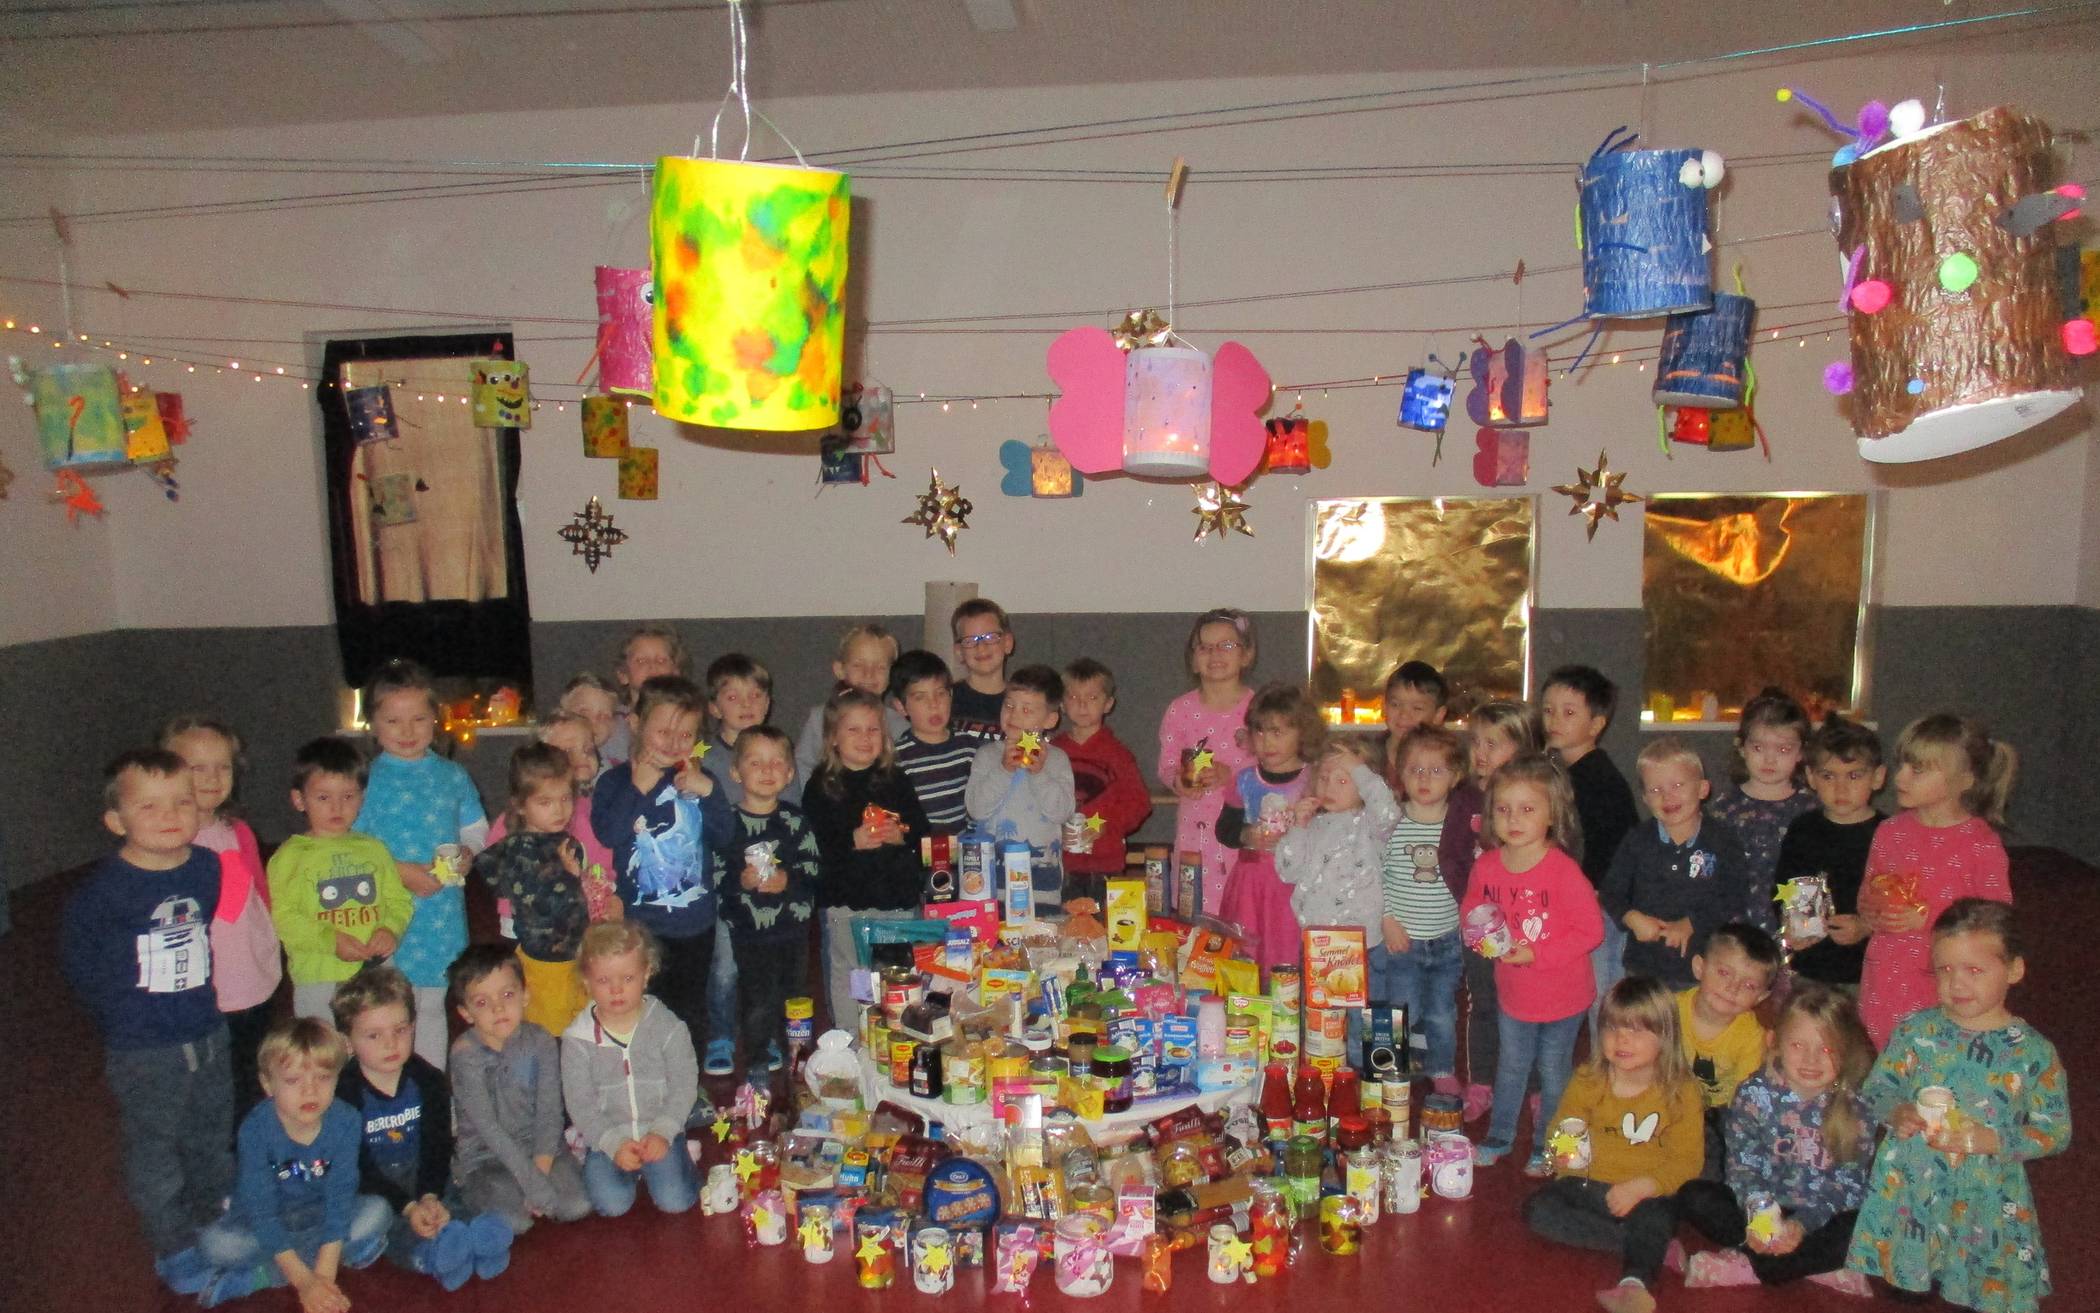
{"points": [[943, 511], [591, 534], [1096, 823], [1218, 509], [815, 1235], [1203, 760], [1142, 328], [871, 1249], [746, 1166], [720, 1127], [1597, 493]]}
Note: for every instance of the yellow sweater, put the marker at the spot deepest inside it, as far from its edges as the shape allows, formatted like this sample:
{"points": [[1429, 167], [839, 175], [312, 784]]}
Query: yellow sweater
{"points": [[1650, 1134], [1722, 1062]]}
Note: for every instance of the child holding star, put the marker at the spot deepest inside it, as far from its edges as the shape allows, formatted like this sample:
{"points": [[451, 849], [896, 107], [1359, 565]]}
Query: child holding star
{"points": [[1021, 785]]}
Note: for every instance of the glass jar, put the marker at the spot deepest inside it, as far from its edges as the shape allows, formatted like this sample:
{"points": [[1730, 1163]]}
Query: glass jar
{"points": [[1112, 1073]]}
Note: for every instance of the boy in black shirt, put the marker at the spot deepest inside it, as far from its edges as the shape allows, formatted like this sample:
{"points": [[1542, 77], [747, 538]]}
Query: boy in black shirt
{"points": [[1576, 703], [1846, 771]]}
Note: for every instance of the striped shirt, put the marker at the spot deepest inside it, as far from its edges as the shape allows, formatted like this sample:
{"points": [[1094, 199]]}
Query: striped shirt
{"points": [[939, 773], [1415, 893]]}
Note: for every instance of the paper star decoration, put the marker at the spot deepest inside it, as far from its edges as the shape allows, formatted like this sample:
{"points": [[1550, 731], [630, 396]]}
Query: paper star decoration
{"points": [[591, 534], [1218, 509], [1563, 1144], [1096, 823], [746, 1166], [1488, 950], [871, 1249], [1238, 1252], [1029, 741], [1785, 893], [1764, 1226], [720, 1127], [1596, 492], [1142, 328], [936, 1258], [943, 511], [761, 1216], [1203, 760], [815, 1235], [700, 750]]}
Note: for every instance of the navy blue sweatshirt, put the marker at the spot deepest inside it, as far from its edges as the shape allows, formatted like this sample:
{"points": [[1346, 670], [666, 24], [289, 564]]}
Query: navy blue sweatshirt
{"points": [[136, 947], [661, 869], [405, 1138], [1700, 880]]}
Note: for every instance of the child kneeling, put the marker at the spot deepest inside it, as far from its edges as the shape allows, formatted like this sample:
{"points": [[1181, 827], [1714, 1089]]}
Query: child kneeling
{"points": [[630, 1076]]}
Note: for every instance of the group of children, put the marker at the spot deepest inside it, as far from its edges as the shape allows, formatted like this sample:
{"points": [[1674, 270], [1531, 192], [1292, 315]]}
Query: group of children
{"points": [[666, 855]]}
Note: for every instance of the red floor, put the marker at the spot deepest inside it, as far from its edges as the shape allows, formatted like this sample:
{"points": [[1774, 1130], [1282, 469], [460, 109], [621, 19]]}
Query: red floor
{"points": [[69, 1241]]}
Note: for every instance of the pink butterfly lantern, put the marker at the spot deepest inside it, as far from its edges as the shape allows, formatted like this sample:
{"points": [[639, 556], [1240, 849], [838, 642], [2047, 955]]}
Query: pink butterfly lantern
{"points": [[1160, 412]]}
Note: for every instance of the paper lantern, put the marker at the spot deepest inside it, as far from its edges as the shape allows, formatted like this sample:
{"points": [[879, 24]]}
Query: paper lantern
{"points": [[1425, 401], [172, 419], [1166, 413], [1051, 475], [1732, 430], [145, 437], [835, 464], [1642, 224], [1704, 353], [1953, 362], [1509, 386], [371, 412], [638, 471], [866, 420], [750, 293], [1501, 458], [1290, 445], [502, 394], [1159, 412], [604, 426], [1693, 426], [79, 419], [626, 354]]}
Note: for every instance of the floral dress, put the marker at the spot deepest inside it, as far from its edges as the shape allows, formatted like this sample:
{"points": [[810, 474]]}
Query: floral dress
{"points": [[1761, 825], [1968, 1225]]}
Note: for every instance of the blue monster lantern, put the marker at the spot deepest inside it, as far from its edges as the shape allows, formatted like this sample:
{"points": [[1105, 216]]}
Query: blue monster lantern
{"points": [[1704, 353], [1642, 225], [1425, 403]]}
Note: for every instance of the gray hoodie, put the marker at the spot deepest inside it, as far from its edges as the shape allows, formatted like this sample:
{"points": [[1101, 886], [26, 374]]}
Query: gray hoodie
{"points": [[508, 1105], [618, 1093]]}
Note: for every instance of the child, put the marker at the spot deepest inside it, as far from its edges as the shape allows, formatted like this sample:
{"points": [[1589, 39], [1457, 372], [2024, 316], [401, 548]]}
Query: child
{"points": [[571, 733], [1797, 1136], [1639, 1108], [335, 895], [739, 696], [1496, 734], [405, 1148], [1286, 730], [589, 696], [867, 821], [866, 654], [650, 652], [508, 1159], [766, 869], [539, 869], [1951, 782], [247, 961], [1201, 746], [416, 801], [1674, 881], [1576, 705], [984, 640], [1723, 1039], [1020, 784], [1543, 983], [296, 1217], [1415, 694], [136, 949], [935, 759], [1844, 767], [1416, 956], [1948, 1202], [1107, 785], [658, 813], [1770, 742], [1332, 857], [629, 1076]]}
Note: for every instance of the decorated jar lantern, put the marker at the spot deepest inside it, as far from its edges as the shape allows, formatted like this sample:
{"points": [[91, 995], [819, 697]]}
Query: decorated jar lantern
{"points": [[1642, 222], [1084, 1266], [749, 320], [1705, 355], [626, 359], [1961, 342]]}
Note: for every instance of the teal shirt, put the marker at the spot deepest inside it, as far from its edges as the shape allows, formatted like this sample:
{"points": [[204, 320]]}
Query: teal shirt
{"points": [[412, 807]]}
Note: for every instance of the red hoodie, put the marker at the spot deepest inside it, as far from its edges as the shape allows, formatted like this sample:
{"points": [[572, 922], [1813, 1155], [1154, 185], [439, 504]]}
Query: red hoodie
{"points": [[1106, 783]]}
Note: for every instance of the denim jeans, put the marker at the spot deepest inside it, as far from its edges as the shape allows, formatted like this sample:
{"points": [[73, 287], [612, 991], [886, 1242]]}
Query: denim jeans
{"points": [[227, 1244], [673, 1184], [721, 990], [1608, 965], [1548, 1045], [1425, 980]]}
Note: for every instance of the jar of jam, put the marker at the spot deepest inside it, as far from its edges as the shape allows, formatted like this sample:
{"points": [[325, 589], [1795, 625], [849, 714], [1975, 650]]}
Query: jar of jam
{"points": [[1112, 1072]]}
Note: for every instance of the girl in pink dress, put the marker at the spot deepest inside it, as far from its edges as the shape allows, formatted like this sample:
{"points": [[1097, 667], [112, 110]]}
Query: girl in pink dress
{"points": [[1208, 720], [1951, 782], [1286, 730]]}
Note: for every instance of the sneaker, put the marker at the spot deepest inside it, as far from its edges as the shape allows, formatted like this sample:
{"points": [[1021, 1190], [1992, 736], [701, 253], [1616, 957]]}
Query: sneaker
{"points": [[186, 1272], [1719, 1267], [721, 1058], [490, 1237], [1487, 1155], [1629, 1296], [233, 1283], [448, 1256], [774, 1062], [1845, 1281], [1478, 1100], [1538, 1167]]}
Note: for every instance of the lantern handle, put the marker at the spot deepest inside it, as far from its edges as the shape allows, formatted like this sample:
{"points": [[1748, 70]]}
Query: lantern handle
{"points": [[740, 90]]}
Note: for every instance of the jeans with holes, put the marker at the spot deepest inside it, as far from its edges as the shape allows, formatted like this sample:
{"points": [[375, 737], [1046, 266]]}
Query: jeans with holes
{"points": [[1424, 979], [674, 1186], [1548, 1046]]}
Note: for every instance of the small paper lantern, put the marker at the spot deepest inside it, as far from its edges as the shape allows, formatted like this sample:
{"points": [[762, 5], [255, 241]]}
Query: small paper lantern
{"points": [[1732, 430], [1425, 402], [866, 420], [604, 426], [145, 438], [1642, 217], [1693, 426], [1703, 353], [626, 355], [502, 394], [1509, 387], [1166, 413], [371, 412], [638, 474], [1290, 445], [750, 317], [1050, 474], [172, 419], [1501, 458], [79, 419], [837, 465]]}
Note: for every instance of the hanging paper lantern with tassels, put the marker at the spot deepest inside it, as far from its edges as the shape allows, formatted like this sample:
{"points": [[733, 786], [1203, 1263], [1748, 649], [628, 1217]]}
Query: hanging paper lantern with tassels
{"points": [[750, 266], [1164, 412]]}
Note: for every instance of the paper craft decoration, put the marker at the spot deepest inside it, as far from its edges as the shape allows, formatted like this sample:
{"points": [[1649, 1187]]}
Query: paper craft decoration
{"points": [[1218, 509], [750, 293], [172, 420], [604, 426], [1297, 445], [72, 492], [1704, 354], [943, 511], [1166, 412], [1734, 430], [393, 499], [145, 437], [1501, 458], [1692, 425], [837, 465], [1596, 493], [866, 420], [371, 412], [79, 419], [626, 359], [502, 394], [591, 534], [1425, 401], [638, 474], [1037, 471], [1955, 360], [1509, 386], [1641, 220]]}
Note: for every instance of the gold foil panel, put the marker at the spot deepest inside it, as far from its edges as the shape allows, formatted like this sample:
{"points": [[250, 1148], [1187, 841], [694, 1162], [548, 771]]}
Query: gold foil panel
{"points": [[1444, 580], [1745, 591]]}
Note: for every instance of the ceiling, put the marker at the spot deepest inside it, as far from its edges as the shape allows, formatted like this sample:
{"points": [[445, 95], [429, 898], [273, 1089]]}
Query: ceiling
{"points": [[94, 67]]}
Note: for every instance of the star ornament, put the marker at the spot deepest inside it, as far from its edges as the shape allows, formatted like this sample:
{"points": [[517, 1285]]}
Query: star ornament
{"points": [[700, 751], [936, 1259], [746, 1166], [871, 1250], [1786, 892], [1203, 760], [591, 535], [720, 1128], [1237, 1252], [1764, 1226], [1563, 1144], [1217, 510], [1596, 493], [1029, 741], [815, 1235], [943, 511], [1096, 823], [1142, 328]]}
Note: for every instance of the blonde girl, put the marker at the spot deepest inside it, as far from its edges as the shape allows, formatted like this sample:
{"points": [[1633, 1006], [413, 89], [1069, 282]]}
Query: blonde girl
{"points": [[1202, 741]]}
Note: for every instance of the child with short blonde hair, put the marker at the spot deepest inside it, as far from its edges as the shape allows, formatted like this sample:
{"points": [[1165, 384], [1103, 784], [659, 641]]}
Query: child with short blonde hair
{"points": [[865, 654], [587, 694], [1676, 879], [629, 1076], [648, 652], [1417, 958]]}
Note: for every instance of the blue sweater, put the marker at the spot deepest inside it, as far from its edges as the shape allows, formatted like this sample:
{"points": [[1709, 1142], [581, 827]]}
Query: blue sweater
{"points": [[661, 867], [136, 947], [293, 1195]]}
